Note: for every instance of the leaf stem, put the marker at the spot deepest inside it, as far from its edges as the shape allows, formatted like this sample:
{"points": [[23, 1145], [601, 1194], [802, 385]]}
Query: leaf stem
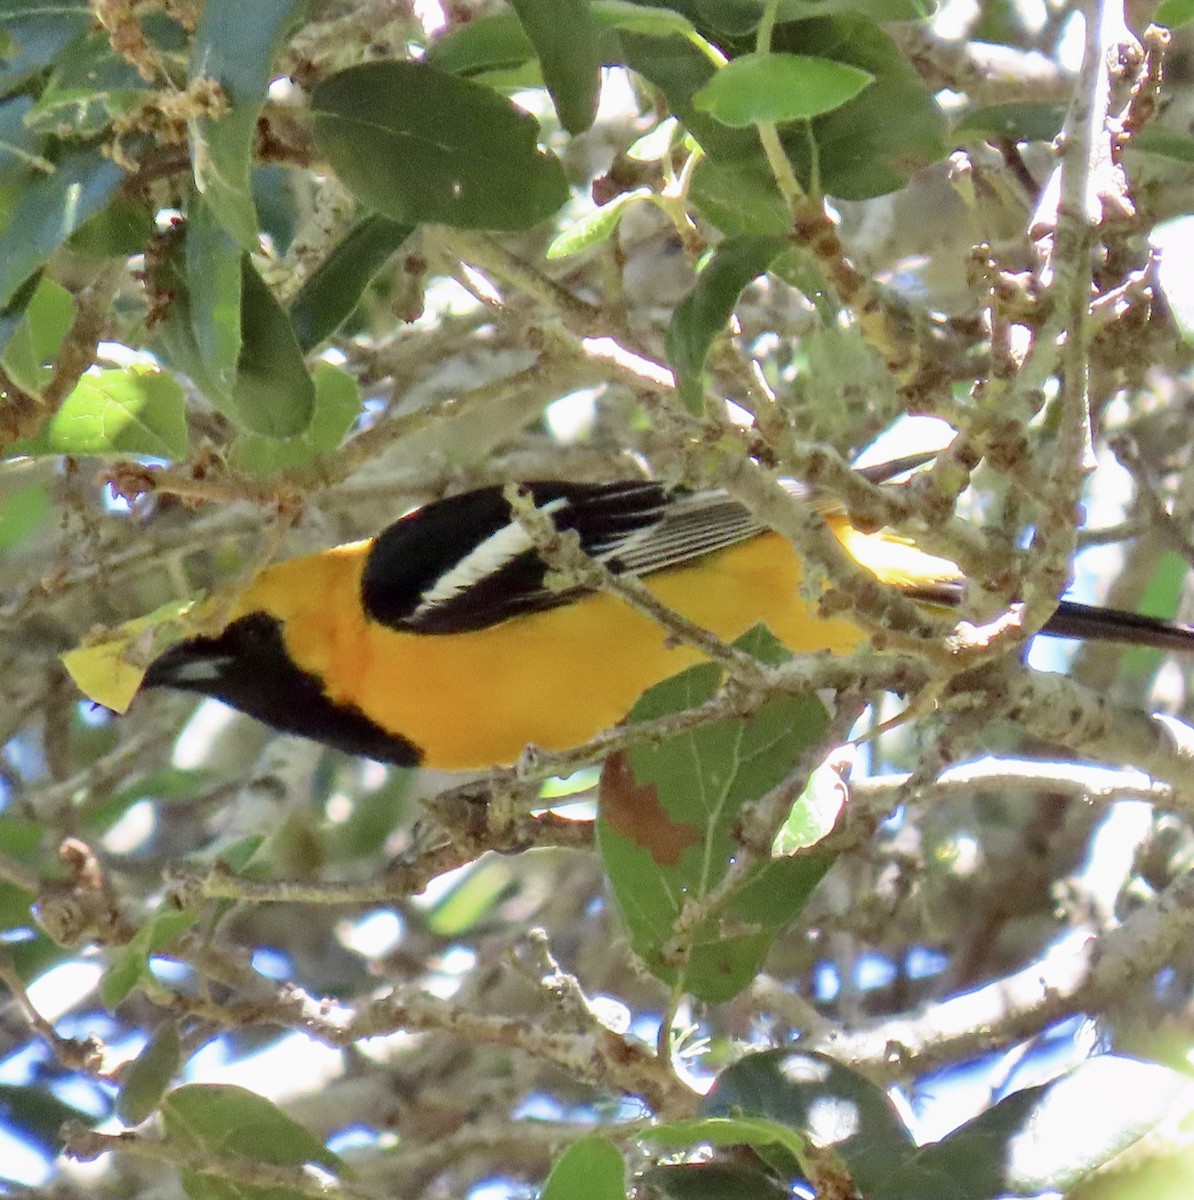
{"points": [[777, 159], [781, 168], [667, 1026], [766, 25]]}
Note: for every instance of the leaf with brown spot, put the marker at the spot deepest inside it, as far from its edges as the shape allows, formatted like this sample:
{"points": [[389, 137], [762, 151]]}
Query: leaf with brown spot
{"points": [[666, 831], [633, 810]]}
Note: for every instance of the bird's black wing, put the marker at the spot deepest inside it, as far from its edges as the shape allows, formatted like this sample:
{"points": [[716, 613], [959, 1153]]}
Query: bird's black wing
{"points": [[464, 563]]}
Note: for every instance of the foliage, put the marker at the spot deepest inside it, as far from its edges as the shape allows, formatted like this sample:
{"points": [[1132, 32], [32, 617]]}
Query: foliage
{"points": [[272, 274]]}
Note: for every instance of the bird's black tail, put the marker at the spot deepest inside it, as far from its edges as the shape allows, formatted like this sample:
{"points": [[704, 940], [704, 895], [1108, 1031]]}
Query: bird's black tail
{"points": [[1090, 623]]}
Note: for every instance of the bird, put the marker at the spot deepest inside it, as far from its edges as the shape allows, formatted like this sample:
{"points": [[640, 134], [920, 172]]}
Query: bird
{"points": [[446, 642]]}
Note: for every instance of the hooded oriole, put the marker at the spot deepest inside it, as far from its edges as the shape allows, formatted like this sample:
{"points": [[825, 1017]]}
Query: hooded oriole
{"points": [[439, 642]]}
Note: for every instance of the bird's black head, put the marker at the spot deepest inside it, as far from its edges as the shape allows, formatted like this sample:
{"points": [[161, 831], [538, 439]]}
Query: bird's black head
{"points": [[247, 667]]}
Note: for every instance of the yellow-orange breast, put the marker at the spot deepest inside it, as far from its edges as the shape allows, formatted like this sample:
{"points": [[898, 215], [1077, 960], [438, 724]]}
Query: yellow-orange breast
{"points": [[553, 678]]}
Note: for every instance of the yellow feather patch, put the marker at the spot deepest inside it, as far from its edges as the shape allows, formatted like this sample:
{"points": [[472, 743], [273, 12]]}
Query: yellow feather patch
{"points": [[895, 560]]}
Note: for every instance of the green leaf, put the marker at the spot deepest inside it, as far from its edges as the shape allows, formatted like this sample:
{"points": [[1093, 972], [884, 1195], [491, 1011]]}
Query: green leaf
{"points": [[1024, 122], [1161, 599], [22, 512], [825, 1103], [274, 393], [779, 87], [471, 898], [712, 1181], [869, 146], [271, 393], [337, 406], [235, 854], [21, 839], [197, 1185], [1048, 1138], [124, 227], [493, 43], [38, 32], [679, 69], [274, 199], [877, 10], [873, 144], [743, 16], [480, 170], [334, 289], [49, 210], [214, 281], [372, 819], [1174, 13], [225, 1121], [635, 18], [131, 410], [590, 1169], [702, 314], [131, 964], [13, 313], [30, 348], [144, 1081], [730, 16], [173, 340], [35, 955], [499, 42], [36, 1115], [21, 150], [740, 196], [564, 35], [759, 1132], [1164, 142], [16, 907], [170, 783], [666, 834], [593, 228], [814, 815], [513, 80], [656, 144], [235, 44]]}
